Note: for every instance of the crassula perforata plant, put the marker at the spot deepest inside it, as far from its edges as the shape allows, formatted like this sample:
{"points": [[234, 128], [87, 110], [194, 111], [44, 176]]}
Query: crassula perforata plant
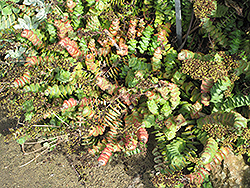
{"points": [[96, 75]]}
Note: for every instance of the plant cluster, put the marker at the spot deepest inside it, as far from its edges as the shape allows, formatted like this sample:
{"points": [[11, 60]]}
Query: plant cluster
{"points": [[94, 76]]}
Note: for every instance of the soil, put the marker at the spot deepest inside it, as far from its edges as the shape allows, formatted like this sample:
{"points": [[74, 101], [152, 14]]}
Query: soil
{"points": [[54, 170]]}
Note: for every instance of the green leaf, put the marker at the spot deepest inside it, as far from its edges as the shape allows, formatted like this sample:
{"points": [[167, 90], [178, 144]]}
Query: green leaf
{"points": [[21, 24], [162, 101], [80, 93], [138, 64], [159, 134], [22, 139], [171, 133], [52, 148], [27, 20], [53, 122], [46, 144], [33, 2], [180, 185], [129, 80], [160, 117], [149, 121], [159, 138], [166, 109], [28, 105], [63, 76], [152, 106], [28, 116], [6, 11], [155, 80], [190, 168]]}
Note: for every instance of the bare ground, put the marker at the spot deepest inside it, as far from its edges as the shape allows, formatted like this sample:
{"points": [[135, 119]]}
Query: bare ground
{"points": [[54, 170]]}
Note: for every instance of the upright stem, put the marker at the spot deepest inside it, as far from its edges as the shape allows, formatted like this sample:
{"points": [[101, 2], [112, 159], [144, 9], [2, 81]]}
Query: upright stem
{"points": [[178, 22]]}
